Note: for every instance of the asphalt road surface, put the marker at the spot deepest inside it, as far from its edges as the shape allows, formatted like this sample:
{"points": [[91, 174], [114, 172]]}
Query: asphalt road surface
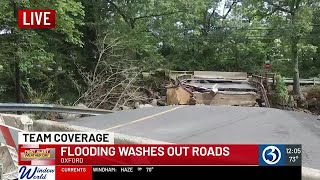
{"points": [[216, 125]]}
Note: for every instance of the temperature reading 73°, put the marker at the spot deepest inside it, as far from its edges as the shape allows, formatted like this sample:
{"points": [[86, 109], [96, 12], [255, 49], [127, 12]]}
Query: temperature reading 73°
{"points": [[293, 154], [293, 159]]}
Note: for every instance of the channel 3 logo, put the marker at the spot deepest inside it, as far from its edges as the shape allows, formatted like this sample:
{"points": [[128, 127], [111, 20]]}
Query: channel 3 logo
{"points": [[271, 155]]}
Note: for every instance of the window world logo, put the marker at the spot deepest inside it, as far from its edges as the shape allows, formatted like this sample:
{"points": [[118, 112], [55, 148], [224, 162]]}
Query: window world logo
{"points": [[36, 172]]}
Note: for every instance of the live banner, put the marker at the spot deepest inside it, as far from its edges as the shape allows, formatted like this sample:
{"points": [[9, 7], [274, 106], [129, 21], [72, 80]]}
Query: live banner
{"points": [[86, 156]]}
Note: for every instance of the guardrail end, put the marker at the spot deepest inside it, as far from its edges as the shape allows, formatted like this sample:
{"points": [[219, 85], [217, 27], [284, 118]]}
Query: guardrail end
{"points": [[310, 174], [1, 171]]}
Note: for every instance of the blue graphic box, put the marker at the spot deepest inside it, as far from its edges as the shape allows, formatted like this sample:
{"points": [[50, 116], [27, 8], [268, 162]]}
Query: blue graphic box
{"points": [[272, 155]]}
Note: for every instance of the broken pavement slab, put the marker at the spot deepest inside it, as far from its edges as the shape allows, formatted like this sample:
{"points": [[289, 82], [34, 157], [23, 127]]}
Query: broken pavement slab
{"points": [[190, 92], [179, 95], [226, 98], [221, 75]]}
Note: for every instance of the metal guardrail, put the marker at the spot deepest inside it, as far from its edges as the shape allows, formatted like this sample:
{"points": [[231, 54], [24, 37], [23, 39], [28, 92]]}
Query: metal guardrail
{"points": [[177, 74], [12, 107], [311, 81], [258, 82]]}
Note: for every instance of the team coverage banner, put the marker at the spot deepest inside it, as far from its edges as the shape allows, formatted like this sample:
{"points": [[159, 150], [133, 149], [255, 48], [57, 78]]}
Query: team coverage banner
{"points": [[160, 154], [93, 155]]}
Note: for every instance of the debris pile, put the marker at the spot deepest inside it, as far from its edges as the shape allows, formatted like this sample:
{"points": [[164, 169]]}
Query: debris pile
{"points": [[212, 91], [312, 95]]}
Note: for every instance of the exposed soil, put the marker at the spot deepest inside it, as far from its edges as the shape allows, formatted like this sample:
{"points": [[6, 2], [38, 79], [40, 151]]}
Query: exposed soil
{"points": [[312, 100]]}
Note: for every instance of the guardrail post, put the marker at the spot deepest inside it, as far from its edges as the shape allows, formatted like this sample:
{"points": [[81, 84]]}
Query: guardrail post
{"points": [[1, 171], [273, 79]]}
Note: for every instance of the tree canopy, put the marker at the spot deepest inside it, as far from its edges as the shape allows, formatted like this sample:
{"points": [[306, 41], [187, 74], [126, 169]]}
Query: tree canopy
{"points": [[100, 47]]}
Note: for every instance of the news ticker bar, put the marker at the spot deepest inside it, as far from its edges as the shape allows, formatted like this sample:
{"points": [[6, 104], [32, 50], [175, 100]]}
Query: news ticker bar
{"points": [[105, 172], [239, 172], [160, 154]]}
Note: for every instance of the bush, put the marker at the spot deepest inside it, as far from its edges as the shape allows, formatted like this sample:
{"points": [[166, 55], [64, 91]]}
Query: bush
{"points": [[281, 95], [313, 97]]}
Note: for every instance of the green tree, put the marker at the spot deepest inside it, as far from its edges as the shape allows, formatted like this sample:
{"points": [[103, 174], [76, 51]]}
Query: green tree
{"points": [[291, 21], [31, 54]]}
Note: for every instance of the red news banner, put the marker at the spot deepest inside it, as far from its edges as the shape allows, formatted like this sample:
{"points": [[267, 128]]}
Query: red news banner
{"points": [[83, 148], [36, 18]]}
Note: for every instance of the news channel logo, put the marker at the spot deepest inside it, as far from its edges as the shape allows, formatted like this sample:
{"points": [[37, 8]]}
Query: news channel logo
{"points": [[37, 172], [272, 155], [37, 154]]}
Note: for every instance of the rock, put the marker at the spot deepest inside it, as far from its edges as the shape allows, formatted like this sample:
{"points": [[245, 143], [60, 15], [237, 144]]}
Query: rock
{"points": [[154, 102], [31, 116], [116, 109], [68, 116], [161, 103], [80, 105], [214, 88], [192, 101], [124, 108], [136, 105], [307, 111], [313, 102], [145, 105], [292, 102], [72, 116]]}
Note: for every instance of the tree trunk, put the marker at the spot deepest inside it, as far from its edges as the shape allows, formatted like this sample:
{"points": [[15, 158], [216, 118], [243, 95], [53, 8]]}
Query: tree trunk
{"points": [[18, 91], [18, 83], [296, 76], [295, 61]]}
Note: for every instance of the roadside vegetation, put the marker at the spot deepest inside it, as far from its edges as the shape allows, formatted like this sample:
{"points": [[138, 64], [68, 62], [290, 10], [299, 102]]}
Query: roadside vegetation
{"points": [[112, 54]]}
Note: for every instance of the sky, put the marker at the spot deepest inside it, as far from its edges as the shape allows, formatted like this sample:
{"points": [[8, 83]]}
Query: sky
{"points": [[4, 31], [221, 9]]}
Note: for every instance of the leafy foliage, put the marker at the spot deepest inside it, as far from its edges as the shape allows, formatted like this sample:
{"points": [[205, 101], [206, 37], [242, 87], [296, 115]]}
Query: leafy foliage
{"points": [[281, 91], [228, 35]]}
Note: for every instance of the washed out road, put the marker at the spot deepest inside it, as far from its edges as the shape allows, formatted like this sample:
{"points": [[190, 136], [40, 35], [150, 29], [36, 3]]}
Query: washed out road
{"points": [[216, 125]]}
